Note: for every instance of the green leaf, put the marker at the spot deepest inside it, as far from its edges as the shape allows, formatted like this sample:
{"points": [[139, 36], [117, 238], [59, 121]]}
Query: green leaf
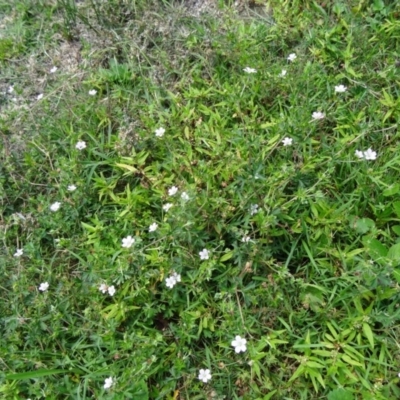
{"points": [[396, 274], [375, 248], [394, 252], [396, 206], [363, 225], [396, 229], [340, 394], [350, 361], [368, 334], [226, 256], [391, 190], [35, 374]]}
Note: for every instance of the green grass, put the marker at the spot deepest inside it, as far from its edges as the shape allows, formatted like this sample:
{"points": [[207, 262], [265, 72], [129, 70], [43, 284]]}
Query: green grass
{"points": [[314, 291]]}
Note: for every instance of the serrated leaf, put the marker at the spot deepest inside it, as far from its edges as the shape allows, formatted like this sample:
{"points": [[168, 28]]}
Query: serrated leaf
{"points": [[363, 225], [375, 248]]}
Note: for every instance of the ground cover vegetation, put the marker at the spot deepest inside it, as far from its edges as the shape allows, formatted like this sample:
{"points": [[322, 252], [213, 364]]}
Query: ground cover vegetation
{"points": [[199, 207]]}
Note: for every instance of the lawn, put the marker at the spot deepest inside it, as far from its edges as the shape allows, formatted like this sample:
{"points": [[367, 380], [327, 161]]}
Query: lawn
{"points": [[200, 205]]}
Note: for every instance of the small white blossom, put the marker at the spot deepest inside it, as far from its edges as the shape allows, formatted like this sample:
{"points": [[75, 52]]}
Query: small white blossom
{"points": [[398, 374], [204, 254], [10, 89], [167, 206], [170, 282], [318, 115], [55, 206], [172, 190], [19, 253], [359, 154], [283, 73], [111, 290], [249, 70], [81, 145], [239, 344], [245, 239], [254, 208], [153, 227], [160, 132], [108, 383], [92, 92], [128, 242], [71, 188], [40, 96], [176, 276], [340, 89], [205, 375], [43, 286], [103, 288], [367, 155], [287, 141], [184, 196], [292, 57], [53, 70], [370, 154]]}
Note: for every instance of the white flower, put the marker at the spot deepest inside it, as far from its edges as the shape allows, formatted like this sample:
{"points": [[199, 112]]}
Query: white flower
{"points": [[287, 141], [239, 344], [153, 227], [172, 190], [43, 286], [92, 92], [19, 253], [10, 89], [398, 374], [318, 115], [292, 57], [71, 188], [167, 206], [111, 290], [184, 196], [160, 132], [170, 282], [340, 89], [283, 73], [128, 242], [103, 288], [205, 375], [370, 154], [40, 96], [367, 155], [245, 239], [204, 254], [54, 69], [108, 383], [359, 154], [176, 276], [254, 209], [249, 70], [81, 145], [55, 206]]}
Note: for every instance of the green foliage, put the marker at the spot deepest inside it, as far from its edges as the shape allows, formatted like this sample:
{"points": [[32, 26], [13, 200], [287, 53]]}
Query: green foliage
{"points": [[303, 239]]}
